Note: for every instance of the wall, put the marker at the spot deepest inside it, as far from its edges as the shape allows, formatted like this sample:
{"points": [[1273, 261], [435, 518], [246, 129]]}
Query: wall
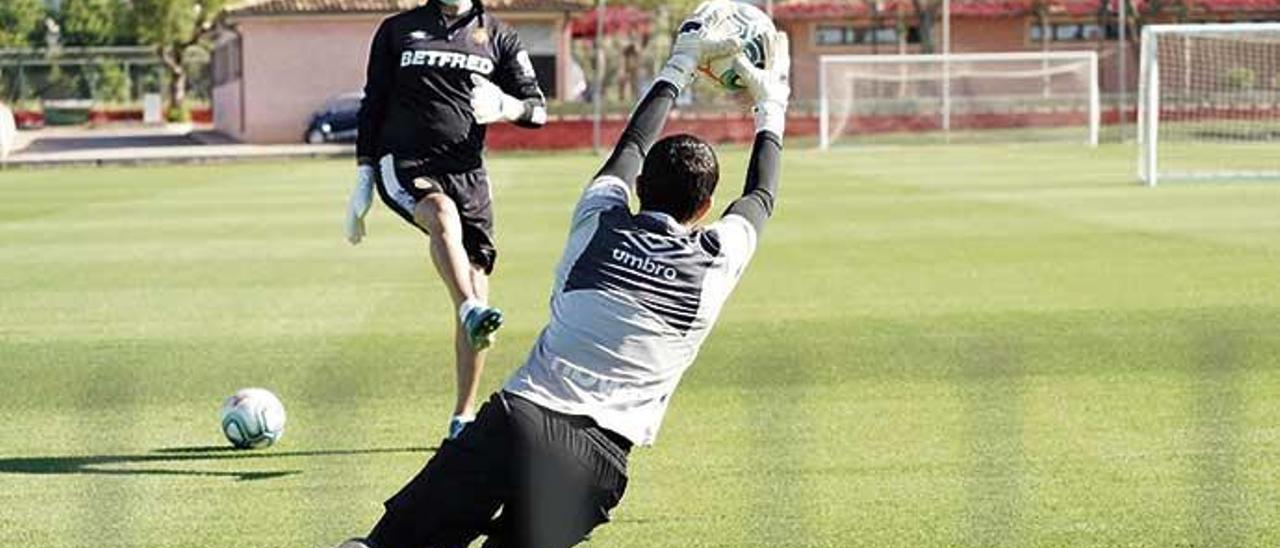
{"points": [[980, 35], [292, 64], [805, 54], [967, 35], [226, 109], [804, 60], [577, 133]]}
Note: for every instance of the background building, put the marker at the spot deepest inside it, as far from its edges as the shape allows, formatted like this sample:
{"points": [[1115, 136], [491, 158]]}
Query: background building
{"points": [[824, 27], [280, 59]]}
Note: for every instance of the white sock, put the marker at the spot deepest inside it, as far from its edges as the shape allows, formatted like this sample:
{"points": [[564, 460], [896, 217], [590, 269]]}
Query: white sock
{"points": [[467, 306]]}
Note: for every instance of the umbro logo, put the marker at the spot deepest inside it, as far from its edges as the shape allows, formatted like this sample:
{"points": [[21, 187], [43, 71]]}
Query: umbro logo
{"points": [[653, 244], [643, 264]]}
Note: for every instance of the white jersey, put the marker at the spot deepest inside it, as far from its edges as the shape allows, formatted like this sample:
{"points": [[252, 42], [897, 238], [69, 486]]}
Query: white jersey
{"points": [[634, 298]]}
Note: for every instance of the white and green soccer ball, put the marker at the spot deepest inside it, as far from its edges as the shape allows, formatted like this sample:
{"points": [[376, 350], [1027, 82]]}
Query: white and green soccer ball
{"points": [[745, 21], [251, 418]]}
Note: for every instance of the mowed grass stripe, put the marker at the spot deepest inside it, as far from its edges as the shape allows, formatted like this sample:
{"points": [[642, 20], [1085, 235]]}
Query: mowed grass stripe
{"points": [[935, 346]]}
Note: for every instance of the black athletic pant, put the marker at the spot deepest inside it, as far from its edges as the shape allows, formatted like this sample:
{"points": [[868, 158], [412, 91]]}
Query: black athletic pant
{"points": [[554, 477]]}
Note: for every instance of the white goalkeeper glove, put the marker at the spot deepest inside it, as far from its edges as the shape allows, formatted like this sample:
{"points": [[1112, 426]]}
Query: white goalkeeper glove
{"points": [[489, 104], [770, 87], [700, 39], [358, 204]]}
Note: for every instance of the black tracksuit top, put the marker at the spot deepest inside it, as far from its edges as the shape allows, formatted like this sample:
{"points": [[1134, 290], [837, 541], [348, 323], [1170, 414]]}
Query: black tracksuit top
{"points": [[417, 96]]}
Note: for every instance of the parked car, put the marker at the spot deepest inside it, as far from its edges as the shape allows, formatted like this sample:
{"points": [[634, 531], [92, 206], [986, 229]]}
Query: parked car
{"points": [[336, 121]]}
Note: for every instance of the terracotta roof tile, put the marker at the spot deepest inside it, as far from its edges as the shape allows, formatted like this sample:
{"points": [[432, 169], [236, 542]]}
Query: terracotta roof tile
{"points": [[820, 9]]}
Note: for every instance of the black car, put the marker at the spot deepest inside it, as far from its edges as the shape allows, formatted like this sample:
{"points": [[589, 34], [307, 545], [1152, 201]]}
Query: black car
{"points": [[336, 121]]}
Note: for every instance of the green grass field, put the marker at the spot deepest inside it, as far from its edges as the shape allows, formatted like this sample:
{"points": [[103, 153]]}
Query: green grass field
{"points": [[965, 346]]}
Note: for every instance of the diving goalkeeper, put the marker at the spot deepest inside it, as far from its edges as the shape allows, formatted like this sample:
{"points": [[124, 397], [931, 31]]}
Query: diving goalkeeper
{"points": [[635, 296]]}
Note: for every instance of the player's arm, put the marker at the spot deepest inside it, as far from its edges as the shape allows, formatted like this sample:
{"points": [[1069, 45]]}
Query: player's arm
{"points": [[643, 129], [692, 45], [770, 89], [761, 189], [379, 77], [613, 184], [516, 97], [373, 111]]}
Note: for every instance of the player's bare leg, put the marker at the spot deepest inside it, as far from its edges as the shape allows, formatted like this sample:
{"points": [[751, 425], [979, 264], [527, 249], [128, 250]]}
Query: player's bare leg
{"points": [[438, 214], [470, 359], [468, 289]]}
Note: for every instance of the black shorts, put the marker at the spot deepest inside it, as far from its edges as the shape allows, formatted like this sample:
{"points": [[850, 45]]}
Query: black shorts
{"points": [[403, 183], [553, 477]]}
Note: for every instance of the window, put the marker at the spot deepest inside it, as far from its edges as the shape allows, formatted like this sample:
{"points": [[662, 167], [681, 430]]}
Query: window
{"points": [[848, 35], [1067, 33], [831, 36], [1073, 32], [887, 35]]}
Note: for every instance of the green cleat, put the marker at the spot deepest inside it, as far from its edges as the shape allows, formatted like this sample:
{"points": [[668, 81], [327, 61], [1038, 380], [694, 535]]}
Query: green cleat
{"points": [[480, 324], [457, 424]]}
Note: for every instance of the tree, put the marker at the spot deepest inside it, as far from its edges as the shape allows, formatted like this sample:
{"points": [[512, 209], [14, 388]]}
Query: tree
{"points": [[108, 81], [94, 22], [926, 16], [173, 27], [667, 15], [19, 21], [1105, 19]]}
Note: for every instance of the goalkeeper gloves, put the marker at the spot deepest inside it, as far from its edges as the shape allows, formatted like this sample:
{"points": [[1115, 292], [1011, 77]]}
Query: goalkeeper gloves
{"points": [[699, 39], [489, 104], [358, 204], [770, 87]]}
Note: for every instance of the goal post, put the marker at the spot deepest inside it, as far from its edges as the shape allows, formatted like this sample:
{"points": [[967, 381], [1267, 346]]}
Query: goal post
{"points": [[959, 97], [1209, 102]]}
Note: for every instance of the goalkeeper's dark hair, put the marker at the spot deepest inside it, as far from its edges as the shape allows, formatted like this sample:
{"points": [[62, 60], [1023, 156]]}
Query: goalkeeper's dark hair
{"points": [[680, 174]]}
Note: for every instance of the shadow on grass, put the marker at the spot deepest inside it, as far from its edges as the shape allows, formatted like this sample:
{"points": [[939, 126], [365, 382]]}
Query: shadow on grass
{"points": [[170, 455]]}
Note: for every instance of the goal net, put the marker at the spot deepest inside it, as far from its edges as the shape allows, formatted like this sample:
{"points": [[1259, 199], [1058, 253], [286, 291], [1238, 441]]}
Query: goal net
{"points": [[997, 97], [1209, 102]]}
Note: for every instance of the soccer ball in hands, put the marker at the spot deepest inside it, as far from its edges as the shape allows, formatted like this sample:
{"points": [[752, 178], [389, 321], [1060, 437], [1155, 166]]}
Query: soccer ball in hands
{"points": [[252, 417], [726, 18]]}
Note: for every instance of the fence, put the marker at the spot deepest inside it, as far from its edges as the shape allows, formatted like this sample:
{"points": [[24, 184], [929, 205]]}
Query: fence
{"points": [[114, 75]]}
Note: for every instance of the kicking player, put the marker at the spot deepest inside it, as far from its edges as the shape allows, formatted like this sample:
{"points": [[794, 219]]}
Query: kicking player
{"points": [[635, 296], [437, 75]]}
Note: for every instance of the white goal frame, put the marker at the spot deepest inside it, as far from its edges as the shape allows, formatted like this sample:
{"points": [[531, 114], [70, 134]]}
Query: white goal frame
{"points": [[826, 61], [1149, 102]]}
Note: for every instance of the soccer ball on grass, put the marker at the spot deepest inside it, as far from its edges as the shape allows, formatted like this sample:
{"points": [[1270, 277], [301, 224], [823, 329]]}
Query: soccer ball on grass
{"points": [[251, 418]]}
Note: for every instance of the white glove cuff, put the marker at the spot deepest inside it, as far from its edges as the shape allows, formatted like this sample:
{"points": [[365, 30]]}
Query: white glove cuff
{"points": [[512, 108], [771, 116]]}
